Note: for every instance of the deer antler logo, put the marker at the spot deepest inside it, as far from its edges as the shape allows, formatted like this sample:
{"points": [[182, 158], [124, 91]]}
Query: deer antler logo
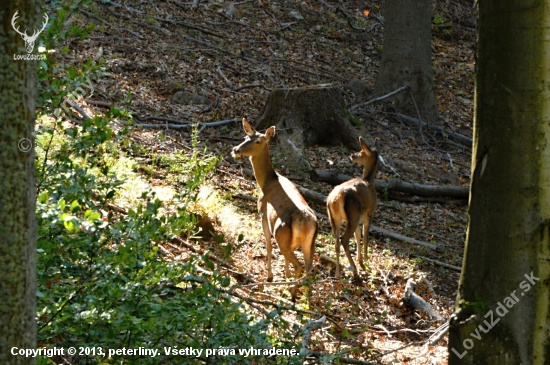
{"points": [[29, 40]]}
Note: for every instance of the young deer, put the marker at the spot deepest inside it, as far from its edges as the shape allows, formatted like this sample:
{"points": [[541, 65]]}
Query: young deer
{"points": [[284, 212], [354, 202]]}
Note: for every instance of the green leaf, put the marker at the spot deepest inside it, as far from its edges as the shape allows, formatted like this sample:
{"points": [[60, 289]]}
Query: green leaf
{"points": [[75, 206], [69, 226], [43, 197], [91, 216]]}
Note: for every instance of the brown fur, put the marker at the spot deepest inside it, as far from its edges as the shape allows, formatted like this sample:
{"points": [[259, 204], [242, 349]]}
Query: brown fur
{"points": [[354, 202], [284, 212]]}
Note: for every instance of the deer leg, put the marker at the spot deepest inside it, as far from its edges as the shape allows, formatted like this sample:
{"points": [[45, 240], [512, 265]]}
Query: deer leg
{"points": [[359, 252], [345, 244], [287, 269], [267, 234], [366, 228], [336, 226]]}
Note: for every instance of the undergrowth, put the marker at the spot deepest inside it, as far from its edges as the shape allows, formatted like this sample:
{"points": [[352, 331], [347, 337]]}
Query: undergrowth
{"points": [[102, 280]]}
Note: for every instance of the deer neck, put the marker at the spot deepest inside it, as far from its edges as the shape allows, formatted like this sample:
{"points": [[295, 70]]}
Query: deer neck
{"points": [[263, 171], [369, 173]]}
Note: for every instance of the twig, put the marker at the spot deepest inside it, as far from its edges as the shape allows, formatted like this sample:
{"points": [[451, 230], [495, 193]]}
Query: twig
{"points": [[218, 48], [311, 326], [438, 335], [462, 139], [90, 15], [380, 98], [78, 108], [448, 266], [400, 237], [166, 126], [182, 126], [419, 199], [225, 78], [162, 119], [420, 127], [272, 283]]}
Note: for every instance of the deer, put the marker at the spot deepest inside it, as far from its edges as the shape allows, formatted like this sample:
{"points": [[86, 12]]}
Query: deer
{"points": [[285, 215], [29, 39], [354, 202]]}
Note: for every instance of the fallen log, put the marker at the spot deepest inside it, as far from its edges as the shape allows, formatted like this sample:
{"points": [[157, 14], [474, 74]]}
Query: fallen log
{"points": [[313, 196], [415, 301], [460, 138], [400, 237], [335, 178]]}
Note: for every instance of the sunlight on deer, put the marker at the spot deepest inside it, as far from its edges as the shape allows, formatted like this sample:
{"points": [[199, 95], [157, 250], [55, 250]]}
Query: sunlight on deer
{"points": [[284, 212], [354, 202]]}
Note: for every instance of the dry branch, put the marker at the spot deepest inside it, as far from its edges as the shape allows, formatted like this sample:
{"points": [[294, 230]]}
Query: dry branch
{"points": [[462, 139], [417, 302], [335, 178], [380, 98], [241, 277], [183, 126], [443, 264], [400, 237], [321, 199]]}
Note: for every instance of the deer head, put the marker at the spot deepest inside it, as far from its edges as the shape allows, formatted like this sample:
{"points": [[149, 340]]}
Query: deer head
{"points": [[29, 40]]}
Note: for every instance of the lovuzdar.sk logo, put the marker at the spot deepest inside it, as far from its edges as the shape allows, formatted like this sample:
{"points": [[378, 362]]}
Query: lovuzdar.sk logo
{"points": [[29, 39]]}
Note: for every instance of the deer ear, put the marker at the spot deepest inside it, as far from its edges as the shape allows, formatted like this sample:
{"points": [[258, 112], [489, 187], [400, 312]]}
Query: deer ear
{"points": [[248, 128], [364, 146], [270, 132]]}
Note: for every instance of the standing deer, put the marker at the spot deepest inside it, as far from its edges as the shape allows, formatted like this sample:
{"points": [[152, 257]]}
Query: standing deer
{"points": [[284, 212], [354, 202]]}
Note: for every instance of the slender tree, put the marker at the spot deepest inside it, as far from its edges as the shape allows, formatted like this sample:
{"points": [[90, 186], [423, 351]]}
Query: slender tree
{"points": [[407, 56], [17, 183], [503, 306]]}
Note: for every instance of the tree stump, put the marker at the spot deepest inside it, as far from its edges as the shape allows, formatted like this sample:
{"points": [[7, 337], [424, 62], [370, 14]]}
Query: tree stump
{"points": [[317, 113]]}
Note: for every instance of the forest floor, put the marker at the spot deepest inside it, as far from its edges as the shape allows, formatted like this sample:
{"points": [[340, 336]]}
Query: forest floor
{"points": [[233, 54]]}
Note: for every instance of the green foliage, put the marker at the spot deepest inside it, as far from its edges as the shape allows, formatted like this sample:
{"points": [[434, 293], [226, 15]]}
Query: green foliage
{"points": [[102, 281], [351, 118], [442, 25], [56, 82]]}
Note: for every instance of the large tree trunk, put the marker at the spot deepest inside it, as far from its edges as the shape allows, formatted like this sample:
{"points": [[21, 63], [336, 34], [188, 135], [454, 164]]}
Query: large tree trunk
{"points": [[17, 185], [503, 313], [316, 115], [406, 57]]}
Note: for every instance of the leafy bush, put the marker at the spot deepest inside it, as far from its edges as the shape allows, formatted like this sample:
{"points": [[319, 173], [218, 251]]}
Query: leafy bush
{"points": [[102, 281]]}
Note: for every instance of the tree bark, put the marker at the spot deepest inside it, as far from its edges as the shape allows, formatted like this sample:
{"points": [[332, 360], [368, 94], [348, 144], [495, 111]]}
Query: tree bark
{"points": [[406, 57], [317, 115], [503, 311], [17, 185]]}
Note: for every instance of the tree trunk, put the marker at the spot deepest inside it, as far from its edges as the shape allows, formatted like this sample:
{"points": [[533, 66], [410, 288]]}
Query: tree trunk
{"points": [[406, 57], [503, 312], [17, 185], [315, 115]]}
